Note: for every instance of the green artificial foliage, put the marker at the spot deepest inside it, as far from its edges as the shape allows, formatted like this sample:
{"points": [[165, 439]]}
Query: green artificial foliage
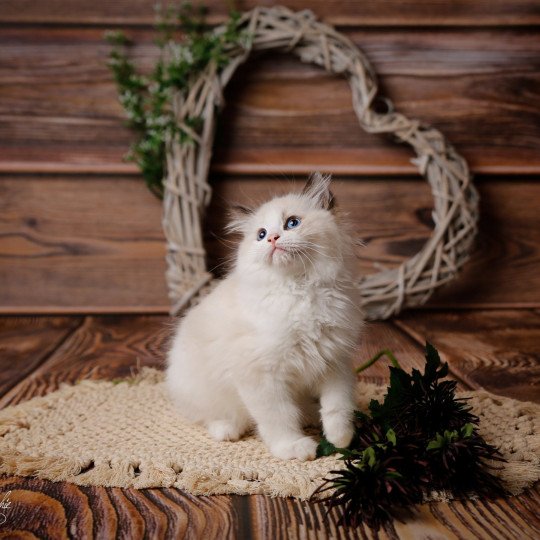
{"points": [[423, 402], [420, 438], [147, 98]]}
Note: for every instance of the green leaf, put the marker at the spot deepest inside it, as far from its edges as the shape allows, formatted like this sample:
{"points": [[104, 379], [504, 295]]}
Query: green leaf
{"points": [[325, 448], [443, 440], [437, 442], [116, 37], [391, 436], [434, 444], [451, 435], [467, 430], [433, 361], [369, 456], [375, 408], [147, 100], [393, 474]]}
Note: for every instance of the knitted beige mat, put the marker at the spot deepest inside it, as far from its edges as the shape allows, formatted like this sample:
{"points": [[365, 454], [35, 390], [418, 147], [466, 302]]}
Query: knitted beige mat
{"points": [[127, 434]]}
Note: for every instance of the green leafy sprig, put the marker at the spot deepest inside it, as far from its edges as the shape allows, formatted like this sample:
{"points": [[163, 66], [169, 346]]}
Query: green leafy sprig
{"points": [[147, 99], [422, 402], [420, 438]]}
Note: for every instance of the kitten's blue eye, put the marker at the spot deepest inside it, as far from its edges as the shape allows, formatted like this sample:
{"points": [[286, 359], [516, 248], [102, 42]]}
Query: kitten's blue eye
{"points": [[261, 234], [292, 222]]}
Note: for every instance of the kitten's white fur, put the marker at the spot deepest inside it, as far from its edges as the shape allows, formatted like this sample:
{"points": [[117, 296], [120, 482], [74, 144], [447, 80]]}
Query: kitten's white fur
{"points": [[274, 339]]}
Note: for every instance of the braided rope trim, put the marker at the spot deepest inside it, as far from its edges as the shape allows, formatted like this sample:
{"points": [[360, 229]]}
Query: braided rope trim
{"points": [[187, 192]]}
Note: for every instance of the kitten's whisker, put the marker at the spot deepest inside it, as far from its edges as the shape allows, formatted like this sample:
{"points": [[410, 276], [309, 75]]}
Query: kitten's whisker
{"points": [[313, 247], [299, 251], [308, 257], [311, 244], [224, 241], [228, 261], [304, 265]]}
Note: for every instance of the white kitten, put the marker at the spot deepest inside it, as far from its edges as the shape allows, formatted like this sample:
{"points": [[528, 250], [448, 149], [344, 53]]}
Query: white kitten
{"points": [[275, 337]]}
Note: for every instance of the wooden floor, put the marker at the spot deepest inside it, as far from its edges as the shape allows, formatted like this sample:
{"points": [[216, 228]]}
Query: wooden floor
{"points": [[495, 349]]}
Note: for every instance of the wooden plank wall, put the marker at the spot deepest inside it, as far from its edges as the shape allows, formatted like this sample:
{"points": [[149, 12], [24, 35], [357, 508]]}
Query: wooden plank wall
{"points": [[80, 233]]}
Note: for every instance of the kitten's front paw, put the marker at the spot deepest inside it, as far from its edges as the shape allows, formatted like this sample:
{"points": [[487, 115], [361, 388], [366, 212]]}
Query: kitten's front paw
{"points": [[339, 431], [222, 430], [303, 449]]}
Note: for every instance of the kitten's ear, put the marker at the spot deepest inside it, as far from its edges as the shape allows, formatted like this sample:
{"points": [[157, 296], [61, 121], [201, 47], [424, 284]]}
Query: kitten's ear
{"points": [[238, 214], [317, 188]]}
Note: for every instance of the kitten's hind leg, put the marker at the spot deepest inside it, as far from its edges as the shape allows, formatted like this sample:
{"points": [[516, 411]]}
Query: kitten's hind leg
{"points": [[228, 418], [218, 407], [230, 429]]}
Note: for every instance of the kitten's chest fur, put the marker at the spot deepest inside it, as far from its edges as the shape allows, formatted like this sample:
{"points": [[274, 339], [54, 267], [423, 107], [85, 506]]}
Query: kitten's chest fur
{"points": [[306, 325]]}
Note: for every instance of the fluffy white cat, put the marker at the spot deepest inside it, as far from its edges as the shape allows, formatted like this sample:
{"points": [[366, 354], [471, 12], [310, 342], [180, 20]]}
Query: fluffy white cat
{"points": [[272, 343]]}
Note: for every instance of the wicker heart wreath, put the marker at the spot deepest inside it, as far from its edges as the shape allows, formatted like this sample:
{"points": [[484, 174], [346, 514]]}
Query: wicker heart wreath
{"points": [[187, 192]]}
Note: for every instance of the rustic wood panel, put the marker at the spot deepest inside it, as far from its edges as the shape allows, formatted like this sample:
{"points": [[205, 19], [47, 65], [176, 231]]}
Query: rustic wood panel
{"points": [[106, 347], [110, 345], [495, 350], [483, 520], [25, 342], [59, 109], [507, 251], [341, 12], [61, 510], [63, 235], [101, 348], [383, 335], [511, 518], [95, 244]]}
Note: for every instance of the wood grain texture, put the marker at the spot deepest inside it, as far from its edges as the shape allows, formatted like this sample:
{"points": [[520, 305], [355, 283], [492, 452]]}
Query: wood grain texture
{"points": [[383, 335], [507, 251], [508, 519], [25, 342], [90, 244], [91, 240], [61, 510], [111, 346], [59, 110], [495, 350], [66, 235], [342, 12], [101, 348], [106, 347]]}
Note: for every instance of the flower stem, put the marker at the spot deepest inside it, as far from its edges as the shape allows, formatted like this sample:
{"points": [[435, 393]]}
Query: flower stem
{"points": [[385, 352]]}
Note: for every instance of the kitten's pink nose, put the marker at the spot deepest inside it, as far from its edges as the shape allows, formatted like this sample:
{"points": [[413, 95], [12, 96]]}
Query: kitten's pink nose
{"points": [[273, 238]]}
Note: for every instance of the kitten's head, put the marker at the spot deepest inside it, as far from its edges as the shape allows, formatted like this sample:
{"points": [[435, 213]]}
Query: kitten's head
{"points": [[298, 234]]}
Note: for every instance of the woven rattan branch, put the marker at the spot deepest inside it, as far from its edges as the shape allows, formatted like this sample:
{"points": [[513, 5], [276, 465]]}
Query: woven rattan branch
{"points": [[187, 192]]}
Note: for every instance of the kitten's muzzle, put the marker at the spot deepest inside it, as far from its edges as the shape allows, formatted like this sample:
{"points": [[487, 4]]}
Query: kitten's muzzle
{"points": [[273, 238]]}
